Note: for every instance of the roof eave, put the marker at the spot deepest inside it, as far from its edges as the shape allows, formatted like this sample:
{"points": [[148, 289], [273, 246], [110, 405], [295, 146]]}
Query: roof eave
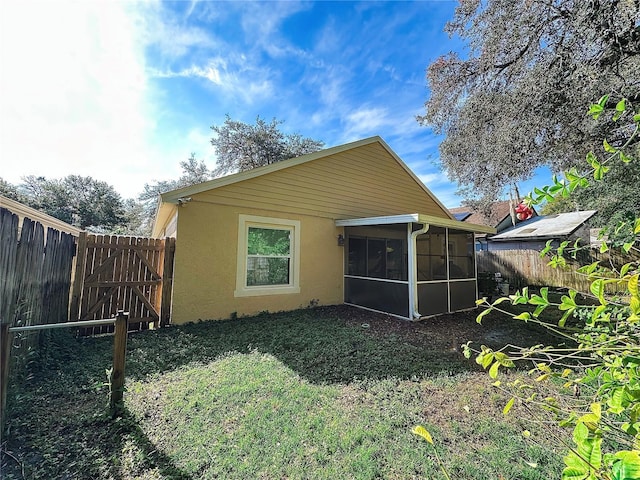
{"points": [[414, 218], [164, 212], [415, 178]]}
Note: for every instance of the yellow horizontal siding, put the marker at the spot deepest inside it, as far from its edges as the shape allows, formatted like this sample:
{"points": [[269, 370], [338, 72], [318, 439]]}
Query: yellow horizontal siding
{"points": [[310, 197], [365, 181]]}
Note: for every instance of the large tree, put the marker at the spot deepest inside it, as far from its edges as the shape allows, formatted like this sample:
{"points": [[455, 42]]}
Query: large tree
{"points": [[193, 171], [81, 201], [616, 200], [515, 100], [8, 190], [240, 146]]}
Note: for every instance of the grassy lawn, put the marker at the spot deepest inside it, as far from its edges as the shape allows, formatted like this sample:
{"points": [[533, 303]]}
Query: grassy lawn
{"points": [[318, 393]]}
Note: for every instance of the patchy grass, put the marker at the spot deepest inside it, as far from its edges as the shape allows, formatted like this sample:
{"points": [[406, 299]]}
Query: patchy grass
{"points": [[322, 393]]}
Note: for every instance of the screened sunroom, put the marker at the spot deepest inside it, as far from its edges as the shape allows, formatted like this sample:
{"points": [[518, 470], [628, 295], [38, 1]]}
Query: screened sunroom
{"points": [[410, 266]]}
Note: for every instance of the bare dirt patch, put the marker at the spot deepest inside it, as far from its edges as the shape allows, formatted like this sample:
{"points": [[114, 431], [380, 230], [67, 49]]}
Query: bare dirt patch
{"points": [[449, 332]]}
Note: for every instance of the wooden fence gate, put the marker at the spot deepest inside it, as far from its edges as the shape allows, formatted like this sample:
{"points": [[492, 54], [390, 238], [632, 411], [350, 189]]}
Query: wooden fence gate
{"points": [[123, 273]]}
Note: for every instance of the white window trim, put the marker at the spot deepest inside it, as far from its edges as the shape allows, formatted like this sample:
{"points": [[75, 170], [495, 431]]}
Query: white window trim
{"points": [[246, 221]]}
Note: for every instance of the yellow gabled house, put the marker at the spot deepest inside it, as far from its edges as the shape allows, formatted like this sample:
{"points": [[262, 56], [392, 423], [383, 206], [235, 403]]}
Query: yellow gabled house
{"points": [[349, 224]]}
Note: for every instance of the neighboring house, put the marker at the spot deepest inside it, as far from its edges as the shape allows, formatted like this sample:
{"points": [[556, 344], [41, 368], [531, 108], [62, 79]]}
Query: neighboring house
{"points": [[498, 216], [47, 221], [350, 224], [534, 233], [514, 253]]}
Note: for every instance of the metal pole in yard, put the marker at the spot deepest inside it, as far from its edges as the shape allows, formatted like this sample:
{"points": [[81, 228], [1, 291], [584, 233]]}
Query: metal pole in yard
{"points": [[119, 353]]}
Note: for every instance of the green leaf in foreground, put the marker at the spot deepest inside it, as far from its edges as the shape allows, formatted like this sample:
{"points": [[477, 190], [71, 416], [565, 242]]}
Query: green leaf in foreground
{"points": [[422, 432], [626, 465], [508, 406]]}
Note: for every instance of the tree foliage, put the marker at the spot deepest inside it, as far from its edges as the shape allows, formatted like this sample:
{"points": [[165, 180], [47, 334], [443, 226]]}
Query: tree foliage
{"points": [[193, 172], [615, 201], [135, 220], [598, 367], [240, 146], [8, 190], [81, 201], [531, 67]]}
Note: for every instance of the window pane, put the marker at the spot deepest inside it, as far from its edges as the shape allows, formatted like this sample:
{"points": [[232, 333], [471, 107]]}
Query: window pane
{"points": [[268, 241], [357, 256], [383, 296], [267, 271], [396, 263], [430, 253], [461, 255], [377, 258]]}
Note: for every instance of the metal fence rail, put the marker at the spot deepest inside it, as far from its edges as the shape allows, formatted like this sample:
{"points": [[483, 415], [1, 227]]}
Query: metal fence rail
{"points": [[86, 323], [121, 322]]}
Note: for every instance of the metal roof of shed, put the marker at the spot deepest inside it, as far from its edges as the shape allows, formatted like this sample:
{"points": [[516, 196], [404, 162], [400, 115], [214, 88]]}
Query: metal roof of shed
{"points": [[548, 226]]}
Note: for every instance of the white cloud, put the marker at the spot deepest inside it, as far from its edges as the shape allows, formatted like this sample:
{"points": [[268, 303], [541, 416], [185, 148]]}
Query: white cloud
{"points": [[261, 22], [73, 99], [235, 76], [433, 178], [210, 72], [171, 35], [368, 121], [365, 122], [78, 100]]}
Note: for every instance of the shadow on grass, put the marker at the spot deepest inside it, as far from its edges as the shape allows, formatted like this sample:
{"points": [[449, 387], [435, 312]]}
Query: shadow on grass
{"points": [[317, 344], [323, 345], [148, 456], [82, 441]]}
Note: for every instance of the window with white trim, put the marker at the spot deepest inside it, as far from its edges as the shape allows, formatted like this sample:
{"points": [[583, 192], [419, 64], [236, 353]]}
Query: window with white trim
{"points": [[268, 256]]}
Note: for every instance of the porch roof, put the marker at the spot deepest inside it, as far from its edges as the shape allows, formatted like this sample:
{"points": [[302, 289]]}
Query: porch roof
{"points": [[415, 218]]}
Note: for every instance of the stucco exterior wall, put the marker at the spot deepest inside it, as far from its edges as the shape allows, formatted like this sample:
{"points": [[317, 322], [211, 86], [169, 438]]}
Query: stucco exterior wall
{"points": [[206, 264]]}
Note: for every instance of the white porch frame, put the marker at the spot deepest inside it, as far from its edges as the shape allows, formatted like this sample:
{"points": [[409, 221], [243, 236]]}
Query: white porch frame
{"points": [[424, 222]]}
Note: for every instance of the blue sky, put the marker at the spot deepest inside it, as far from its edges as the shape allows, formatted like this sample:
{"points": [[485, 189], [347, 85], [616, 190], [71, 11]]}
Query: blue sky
{"points": [[123, 91]]}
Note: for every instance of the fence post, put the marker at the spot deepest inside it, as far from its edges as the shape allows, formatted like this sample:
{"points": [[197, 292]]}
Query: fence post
{"points": [[167, 281], [6, 338], [119, 354], [78, 279]]}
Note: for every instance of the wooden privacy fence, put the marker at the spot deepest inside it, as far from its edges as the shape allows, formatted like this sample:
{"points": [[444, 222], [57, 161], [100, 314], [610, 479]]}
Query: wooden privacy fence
{"points": [[123, 273], [35, 272], [112, 275], [523, 268], [35, 277]]}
